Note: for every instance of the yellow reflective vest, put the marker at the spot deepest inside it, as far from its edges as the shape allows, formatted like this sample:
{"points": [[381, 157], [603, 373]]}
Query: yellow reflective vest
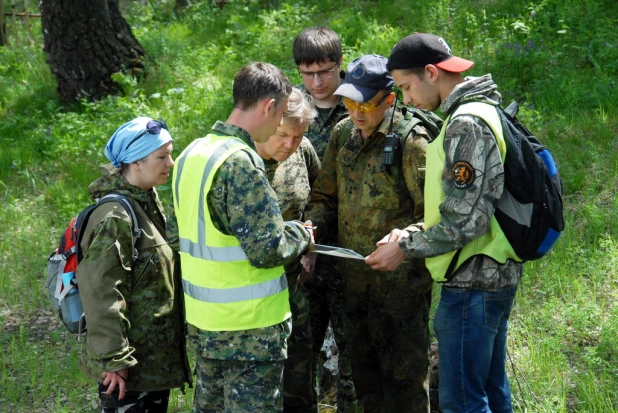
{"points": [[222, 290], [493, 243]]}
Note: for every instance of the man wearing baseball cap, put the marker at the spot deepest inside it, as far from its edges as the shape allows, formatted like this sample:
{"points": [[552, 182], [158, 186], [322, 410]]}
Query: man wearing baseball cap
{"points": [[462, 242], [385, 314]]}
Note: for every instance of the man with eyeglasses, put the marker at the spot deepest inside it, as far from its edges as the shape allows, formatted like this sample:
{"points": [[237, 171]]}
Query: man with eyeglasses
{"points": [[386, 314], [318, 54]]}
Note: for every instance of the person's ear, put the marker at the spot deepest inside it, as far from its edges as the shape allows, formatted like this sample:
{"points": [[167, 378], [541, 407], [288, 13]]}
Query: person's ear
{"points": [[268, 105], [390, 99], [431, 73]]}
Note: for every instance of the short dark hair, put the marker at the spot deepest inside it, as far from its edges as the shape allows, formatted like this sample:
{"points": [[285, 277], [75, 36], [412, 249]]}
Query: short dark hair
{"points": [[316, 45], [258, 81], [418, 71]]}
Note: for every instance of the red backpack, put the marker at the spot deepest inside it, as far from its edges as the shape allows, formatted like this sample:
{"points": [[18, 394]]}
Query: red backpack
{"points": [[61, 284]]}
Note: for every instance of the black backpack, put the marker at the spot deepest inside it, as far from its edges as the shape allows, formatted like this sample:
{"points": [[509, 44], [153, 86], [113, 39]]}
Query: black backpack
{"points": [[530, 210]]}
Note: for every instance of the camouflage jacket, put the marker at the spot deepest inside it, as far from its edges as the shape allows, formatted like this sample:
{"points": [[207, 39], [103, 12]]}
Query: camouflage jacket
{"points": [[243, 204], [320, 129], [134, 309], [365, 200], [465, 213], [292, 180]]}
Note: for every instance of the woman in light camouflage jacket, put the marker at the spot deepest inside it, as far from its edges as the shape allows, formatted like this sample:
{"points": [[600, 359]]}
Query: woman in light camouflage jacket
{"points": [[135, 342]]}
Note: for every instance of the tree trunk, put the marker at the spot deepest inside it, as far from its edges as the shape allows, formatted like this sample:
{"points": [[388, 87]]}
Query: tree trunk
{"points": [[86, 41], [2, 25]]}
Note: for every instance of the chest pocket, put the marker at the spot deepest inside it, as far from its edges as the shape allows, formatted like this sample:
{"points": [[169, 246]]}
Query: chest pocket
{"points": [[376, 186], [155, 256], [380, 188]]}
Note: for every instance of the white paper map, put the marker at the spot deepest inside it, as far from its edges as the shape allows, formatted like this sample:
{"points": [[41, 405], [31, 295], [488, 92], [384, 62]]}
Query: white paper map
{"points": [[337, 252]]}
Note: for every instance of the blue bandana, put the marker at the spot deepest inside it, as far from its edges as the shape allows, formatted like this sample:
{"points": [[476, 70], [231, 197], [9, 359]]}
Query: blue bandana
{"points": [[116, 149]]}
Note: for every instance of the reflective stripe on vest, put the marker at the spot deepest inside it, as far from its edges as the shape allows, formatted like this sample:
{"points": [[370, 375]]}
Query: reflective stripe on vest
{"points": [[493, 243], [230, 295], [223, 292]]}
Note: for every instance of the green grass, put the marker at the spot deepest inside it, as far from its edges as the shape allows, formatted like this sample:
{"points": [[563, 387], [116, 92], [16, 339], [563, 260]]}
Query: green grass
{"points": [[559, 58]]}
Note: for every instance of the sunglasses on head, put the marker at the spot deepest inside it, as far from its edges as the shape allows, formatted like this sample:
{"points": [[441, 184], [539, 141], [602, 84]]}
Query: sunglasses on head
{"points": [[153, 127]]}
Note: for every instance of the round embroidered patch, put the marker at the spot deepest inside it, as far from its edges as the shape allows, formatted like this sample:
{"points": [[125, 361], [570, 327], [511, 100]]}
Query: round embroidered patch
{"points": [[359, 71], [463, 175]]}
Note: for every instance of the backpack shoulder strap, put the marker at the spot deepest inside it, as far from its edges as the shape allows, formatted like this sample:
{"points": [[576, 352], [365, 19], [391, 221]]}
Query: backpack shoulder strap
{"points": [[429, 120], [124, 201], [346, 133], [136, 231], [406, 126], [406, 130]]}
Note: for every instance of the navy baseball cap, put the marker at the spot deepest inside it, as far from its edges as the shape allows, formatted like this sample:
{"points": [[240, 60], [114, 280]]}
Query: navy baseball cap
{"points": [[422, 49], [365, 77]]}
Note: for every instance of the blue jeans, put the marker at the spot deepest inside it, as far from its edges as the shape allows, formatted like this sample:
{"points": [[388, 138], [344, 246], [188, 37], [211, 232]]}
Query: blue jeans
{"points": [[471, 328]]}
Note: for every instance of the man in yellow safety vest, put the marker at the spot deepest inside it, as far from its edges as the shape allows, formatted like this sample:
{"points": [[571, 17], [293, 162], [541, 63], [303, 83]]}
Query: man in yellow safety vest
{"points": [[461, 240], [233, 244]]}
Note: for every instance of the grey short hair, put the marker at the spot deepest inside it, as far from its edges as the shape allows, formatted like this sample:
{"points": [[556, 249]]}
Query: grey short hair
{"points": [[300, 108]]}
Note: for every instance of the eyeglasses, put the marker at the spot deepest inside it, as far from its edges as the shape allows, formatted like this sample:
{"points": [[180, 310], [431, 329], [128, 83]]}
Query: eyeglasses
{"points": [[322, 74], [353, 105], [153, 127]]}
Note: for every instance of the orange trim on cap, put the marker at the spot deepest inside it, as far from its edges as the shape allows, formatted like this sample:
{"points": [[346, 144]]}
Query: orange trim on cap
{"points": [[455, 64]]}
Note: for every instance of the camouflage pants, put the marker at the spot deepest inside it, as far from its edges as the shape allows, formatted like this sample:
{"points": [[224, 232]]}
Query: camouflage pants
{"points": [[325, 293], [388, 339], [297, 373], [240, 371], [238, 386]]}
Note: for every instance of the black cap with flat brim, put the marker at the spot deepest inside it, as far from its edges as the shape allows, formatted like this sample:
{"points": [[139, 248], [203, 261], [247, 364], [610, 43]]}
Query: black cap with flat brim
{"points": [[422, 49]]}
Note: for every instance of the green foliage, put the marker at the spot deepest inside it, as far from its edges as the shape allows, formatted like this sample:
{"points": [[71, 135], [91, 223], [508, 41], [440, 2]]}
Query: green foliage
{"points": [[559, 58]]}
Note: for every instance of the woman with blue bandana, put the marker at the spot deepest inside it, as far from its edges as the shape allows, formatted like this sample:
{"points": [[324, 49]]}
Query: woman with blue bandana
{"points": [[135, 342]]}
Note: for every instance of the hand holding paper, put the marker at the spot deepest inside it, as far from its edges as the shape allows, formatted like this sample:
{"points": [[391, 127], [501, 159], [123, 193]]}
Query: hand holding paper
{"points": [[395, 235], [388, 256], [308, 262]]}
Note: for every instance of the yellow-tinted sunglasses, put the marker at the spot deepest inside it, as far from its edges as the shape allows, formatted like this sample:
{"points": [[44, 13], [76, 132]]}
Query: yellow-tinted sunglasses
{"points": [[366, 107]]}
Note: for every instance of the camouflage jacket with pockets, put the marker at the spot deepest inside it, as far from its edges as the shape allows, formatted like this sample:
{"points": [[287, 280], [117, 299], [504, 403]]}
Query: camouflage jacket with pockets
{"points": [[465, 213], [364, 200], [134, 309], [292, 180]]}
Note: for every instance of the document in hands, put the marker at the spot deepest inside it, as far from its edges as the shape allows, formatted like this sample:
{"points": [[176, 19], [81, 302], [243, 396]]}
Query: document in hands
{"points": [[337, 252]]}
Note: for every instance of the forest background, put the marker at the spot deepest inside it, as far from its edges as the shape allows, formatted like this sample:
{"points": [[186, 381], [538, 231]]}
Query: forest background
{"points": [[558, 58]]}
